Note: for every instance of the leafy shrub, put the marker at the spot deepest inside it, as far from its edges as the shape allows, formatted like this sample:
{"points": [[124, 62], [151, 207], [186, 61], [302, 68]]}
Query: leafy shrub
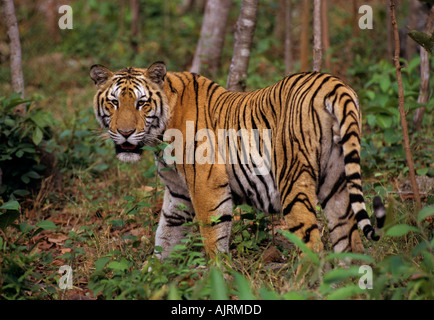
{"points": [[19, 264], [378, 93], [80, 147], [251, 230], [116, 277], [408, 276], [20, 146]]}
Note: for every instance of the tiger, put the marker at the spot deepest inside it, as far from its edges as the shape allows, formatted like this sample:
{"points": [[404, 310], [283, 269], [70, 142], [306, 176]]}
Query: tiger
{"points": [[313, 124]]}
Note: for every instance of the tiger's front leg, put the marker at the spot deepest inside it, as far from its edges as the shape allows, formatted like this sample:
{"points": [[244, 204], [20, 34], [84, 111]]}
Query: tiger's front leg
{"points": [[176, 211], [213, 204]]}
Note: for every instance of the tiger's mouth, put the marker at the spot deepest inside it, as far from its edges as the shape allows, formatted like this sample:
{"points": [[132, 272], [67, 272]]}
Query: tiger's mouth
{"points": [[128, 147]]}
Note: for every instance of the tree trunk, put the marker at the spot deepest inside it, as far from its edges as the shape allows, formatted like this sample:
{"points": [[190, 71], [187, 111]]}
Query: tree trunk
{"points": [[185, 6], [288, 37], [317, 47], [52, 16], [244, 31], [209, 49], [135, 24], [407, 146], [424, 76], [280, 26], [412, 20], [325, 34], [121, 19], [390, 40], [304, 41], [356, 29], [15, 49]]}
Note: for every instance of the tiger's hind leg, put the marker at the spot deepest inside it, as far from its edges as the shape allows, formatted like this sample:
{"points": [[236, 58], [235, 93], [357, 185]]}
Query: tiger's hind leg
{"points": [[298, 207], [341, 221], [334, 198]]}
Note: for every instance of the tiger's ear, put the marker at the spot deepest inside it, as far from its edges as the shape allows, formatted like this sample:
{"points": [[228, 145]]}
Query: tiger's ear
{"points": [[100, 74], [156, 72]]}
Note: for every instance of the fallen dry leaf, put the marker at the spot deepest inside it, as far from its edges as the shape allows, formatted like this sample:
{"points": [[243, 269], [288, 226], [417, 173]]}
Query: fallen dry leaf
{"points": [[272, 254], [65, 250], [44, 245], [58, 238]]}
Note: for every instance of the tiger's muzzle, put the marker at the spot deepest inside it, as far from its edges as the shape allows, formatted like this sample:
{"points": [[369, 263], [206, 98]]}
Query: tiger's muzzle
{"points": [[128, 148]]}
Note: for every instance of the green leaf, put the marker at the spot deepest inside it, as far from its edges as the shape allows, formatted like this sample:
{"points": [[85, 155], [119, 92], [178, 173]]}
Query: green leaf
{"points": [[25, 227], [173, 293], [6, 219], [19, 153], [11, 205], [400, 230], [340, 274], [39, 119], [21, 192], [25, 179], [350, 255], [385, 83], [244, 290], [384, 121], [378, 109], [33, 174], [218, 285], [370, 94], [345, 292], [268, 295], [422, 171], [420, 248], [129, 198], [158, 249], [101, 263], [423, 39], [399, 266], [425, 213], [29, 149], [150, 173], [46, 225], [149, 148], [37, 136], [16, 101], [9, 122], [118, 265], [294, 295], [391, 136], [65, 134], [169, 158]]}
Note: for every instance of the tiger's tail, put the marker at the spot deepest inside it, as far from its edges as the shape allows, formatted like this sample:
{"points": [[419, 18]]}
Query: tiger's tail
{"points": [[346, 110]]}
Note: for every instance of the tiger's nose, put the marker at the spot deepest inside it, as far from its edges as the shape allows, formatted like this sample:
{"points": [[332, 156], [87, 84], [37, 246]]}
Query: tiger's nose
{"points": [[126, 134]]}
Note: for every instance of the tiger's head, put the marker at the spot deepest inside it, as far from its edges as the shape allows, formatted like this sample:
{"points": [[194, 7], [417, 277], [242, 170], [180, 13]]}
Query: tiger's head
{"points": [[131, 105]]}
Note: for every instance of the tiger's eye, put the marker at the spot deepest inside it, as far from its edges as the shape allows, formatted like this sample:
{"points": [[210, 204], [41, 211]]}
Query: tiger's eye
{"points": [[141, 103]]}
